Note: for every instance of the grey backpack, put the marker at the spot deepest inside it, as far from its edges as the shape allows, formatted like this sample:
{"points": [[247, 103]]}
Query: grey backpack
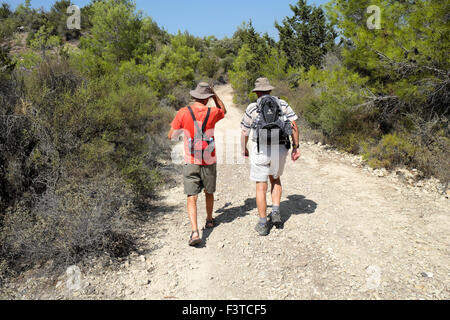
{"points": [[271, 124]]}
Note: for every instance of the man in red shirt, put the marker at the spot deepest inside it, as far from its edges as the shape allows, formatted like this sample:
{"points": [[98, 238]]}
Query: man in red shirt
{"points": [[197, 122]]}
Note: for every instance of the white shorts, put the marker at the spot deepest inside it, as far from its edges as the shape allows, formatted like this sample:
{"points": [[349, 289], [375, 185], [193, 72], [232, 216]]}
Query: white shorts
{"points": [[270, 161]]}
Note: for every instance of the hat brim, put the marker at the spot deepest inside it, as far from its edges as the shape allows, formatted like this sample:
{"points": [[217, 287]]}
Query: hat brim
{"points": [[197, 95], [263, 89]]}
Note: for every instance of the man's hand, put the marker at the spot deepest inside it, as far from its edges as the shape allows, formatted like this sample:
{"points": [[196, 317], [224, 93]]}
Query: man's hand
{"points": [[171, 133], [245, 153], [295, 154], [219, 103], [244, 144]]}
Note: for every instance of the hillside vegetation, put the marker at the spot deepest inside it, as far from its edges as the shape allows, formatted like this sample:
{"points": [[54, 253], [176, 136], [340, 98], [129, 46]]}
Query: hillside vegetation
{"points": [[84, 113], [380, 93], [83, 127]]}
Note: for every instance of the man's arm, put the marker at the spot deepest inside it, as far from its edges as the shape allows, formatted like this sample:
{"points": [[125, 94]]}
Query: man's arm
{"points": [[296, 141], [244, 143], [176, 126], [246, 125], [219, 103], [171, 132]]}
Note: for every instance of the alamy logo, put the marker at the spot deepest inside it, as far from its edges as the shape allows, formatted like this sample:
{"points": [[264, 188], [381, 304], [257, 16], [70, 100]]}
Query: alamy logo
{"points": [[374, 277], [74, 20], [73, 281], [374, 21]]}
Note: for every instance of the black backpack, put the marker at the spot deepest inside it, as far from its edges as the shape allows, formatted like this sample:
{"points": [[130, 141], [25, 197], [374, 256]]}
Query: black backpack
{"points": [[202, 142], [271, 124]]}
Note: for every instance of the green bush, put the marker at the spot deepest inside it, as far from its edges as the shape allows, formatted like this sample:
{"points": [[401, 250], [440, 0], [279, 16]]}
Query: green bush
{"points": [[227, 63], [174, 65], [70, 137], [209, 66], [144, 180], [350, 142], [392, 150], [28, 60], [7, 28]]}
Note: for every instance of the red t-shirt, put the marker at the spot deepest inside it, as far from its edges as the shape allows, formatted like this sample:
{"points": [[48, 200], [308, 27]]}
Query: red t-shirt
{"points": [[183, 121]]}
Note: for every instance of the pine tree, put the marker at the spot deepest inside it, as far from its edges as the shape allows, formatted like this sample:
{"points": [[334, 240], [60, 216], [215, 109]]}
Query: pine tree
{"points": [[43, 40], [251, 59], [57, 18], [305, 37], [407, 57], [115, 32]]}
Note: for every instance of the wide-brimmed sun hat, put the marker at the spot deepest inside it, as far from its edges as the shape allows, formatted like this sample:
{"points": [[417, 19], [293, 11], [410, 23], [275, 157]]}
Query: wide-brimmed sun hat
{"points": [[263, 85], [203, 91]]}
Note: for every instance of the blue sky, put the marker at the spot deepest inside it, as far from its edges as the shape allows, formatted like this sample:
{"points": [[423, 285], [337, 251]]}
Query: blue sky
{"points": [[205, 17]]}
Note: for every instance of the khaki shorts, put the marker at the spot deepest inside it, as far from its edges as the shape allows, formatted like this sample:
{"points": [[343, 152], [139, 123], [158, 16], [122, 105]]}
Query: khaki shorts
{"points": [[196, 178], [270, 161]]}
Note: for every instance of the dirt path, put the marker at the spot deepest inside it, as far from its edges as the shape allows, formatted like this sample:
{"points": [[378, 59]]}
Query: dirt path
{"points": [[348, 235]]}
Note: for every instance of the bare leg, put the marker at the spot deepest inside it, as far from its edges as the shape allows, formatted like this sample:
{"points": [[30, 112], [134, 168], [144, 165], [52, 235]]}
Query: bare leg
{"points": [[277, 191], [192, 211], [261, 201], [209, 206]]}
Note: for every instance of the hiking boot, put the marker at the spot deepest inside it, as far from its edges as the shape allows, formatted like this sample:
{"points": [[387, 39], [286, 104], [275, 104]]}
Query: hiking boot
{"points": [[263, 229], [275, 217]]}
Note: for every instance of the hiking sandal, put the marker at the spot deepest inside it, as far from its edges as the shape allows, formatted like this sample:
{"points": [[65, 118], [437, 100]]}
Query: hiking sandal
{"points": [[210, 224], [194, 242]]}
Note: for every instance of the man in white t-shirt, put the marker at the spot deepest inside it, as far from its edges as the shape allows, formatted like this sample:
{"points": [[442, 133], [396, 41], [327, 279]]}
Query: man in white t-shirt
{"points": [[268, 162]]}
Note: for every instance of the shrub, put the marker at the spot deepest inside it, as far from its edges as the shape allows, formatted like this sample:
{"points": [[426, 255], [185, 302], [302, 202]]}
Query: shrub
{"points": [[7, 28], [44, 40], [143, 179], [227, 63], [73, 149], [209, 66], [28, 60], [392, 150], [298, 96], [433, 142], [434, 159], [73, 221], [350, 142], [179, 97]]}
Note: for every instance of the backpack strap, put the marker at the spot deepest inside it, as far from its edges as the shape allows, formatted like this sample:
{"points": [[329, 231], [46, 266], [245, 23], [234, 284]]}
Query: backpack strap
{"points": [[206, 120], [259, 107], [257, 140], [202, 130]]}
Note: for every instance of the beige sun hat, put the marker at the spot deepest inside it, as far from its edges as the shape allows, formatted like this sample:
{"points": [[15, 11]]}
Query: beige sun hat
{"points": [[263, 85], [203, 91]]}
